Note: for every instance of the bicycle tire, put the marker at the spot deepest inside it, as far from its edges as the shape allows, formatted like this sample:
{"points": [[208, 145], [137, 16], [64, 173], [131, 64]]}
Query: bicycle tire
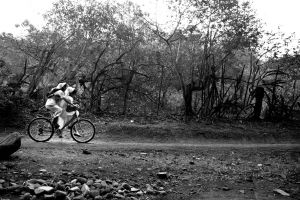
{"points": [[46, 127], [86, 130]]}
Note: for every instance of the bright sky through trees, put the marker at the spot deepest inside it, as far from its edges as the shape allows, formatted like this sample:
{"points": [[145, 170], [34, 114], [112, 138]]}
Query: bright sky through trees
{"points": [[274, 12]]}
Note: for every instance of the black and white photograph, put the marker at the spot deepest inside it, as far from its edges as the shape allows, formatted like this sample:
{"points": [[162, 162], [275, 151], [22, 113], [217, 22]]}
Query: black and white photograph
{"points": [[149, 100]]}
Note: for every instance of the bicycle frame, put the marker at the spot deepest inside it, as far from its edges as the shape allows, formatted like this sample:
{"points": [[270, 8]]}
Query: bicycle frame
{"points": [[71, 121]]}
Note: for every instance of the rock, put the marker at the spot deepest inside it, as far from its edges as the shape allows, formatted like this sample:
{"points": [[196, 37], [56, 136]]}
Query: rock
{"points": [[139, 169], [97, 185], [73, 181], [2, 181], [149, 189], [94, 193], [121, 192], [36, 181], [108, 196], [98, 198], [17, 189], [80, 197], [119, 196], [85, 151], [140, 193], [90, 182], [39, 191], [161, 188], [81, 180], [125, 186], [98, 181], [242, 191], [26, 196], [74, 189], [60, 195], [42, 170], [104, 184], [13, 184], [104, 191], [133, 189], [60, 187], [31, 186], [49, 197], [115, 184], [162, 192], [85, 189], [281, 192], [47, 189], [159, 183], [249, 179], [162, 175], [225, 188], [10, 144]]}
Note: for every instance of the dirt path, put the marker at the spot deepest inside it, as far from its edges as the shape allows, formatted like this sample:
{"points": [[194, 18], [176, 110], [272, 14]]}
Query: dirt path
{"points": [[195, 170], [100, 145]]}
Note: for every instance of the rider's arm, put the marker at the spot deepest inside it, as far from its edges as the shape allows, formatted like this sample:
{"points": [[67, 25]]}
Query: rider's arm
{"points": [[68, 99], [52, 92]]}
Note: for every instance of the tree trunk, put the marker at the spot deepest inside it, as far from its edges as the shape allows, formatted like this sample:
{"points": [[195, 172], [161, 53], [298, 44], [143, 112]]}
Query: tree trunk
{"points": [[125, 100], [259, 95], [188, 96], [128, 80]]}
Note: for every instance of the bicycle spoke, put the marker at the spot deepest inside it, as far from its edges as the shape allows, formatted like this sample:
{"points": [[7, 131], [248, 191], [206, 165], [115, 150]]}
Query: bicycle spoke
{"points": [[83, 131], [40, 129]]}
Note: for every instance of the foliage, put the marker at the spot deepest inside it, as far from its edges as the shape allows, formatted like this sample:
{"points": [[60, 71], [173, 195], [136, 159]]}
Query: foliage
{"points": [[206, 61], [13, 107]]}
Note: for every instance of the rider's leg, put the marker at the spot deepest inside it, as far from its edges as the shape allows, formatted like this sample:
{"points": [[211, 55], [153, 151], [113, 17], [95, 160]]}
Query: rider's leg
{"points": [[57, 121], [74, 115], [60, 122]]}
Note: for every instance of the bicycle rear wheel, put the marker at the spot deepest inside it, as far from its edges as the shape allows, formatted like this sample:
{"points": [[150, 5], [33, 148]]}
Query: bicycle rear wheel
{"points": [[40, 129], [83, 131]]}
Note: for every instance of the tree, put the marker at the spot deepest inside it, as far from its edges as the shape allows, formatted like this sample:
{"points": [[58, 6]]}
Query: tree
{"points": [[204, 36]]}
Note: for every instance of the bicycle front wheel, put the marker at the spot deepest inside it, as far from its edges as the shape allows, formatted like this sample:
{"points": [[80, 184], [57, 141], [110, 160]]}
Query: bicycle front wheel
{"points": [[40, 129], [83, 131]]}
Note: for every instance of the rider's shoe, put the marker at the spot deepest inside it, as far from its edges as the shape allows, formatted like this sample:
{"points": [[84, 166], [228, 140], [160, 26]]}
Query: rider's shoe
{"points": [[59, 133]]}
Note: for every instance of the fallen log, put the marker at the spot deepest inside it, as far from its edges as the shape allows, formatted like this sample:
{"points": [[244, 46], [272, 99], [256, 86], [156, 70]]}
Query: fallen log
{"points": [[10, 144]]}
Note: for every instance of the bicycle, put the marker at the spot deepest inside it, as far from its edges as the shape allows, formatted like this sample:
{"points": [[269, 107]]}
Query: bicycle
{"points": [[41, 129]]}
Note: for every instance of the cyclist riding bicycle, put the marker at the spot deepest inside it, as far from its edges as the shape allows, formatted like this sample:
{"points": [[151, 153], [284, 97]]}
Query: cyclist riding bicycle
{"points": [[60, 103]]}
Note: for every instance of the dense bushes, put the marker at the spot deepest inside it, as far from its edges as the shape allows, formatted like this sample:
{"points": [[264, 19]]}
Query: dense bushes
{"points": [[13, 107]]}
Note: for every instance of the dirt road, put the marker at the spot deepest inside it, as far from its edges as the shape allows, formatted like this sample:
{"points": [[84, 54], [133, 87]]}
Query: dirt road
{"points": [[100, 145], [195, 170]]}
